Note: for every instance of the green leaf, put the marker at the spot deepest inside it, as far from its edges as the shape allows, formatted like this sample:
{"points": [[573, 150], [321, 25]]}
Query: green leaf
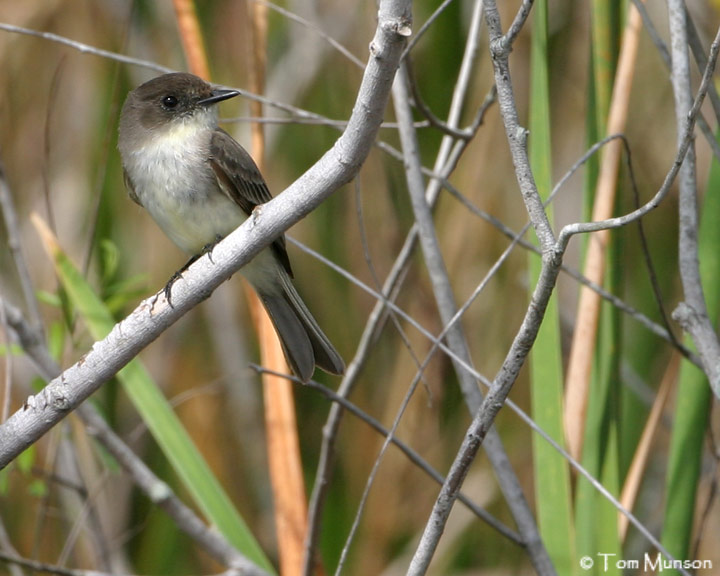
{"points": [[109, 254], [552, 475], [49, 298], [159, 416]]}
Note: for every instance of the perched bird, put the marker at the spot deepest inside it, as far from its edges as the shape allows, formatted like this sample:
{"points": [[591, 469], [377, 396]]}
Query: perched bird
{"points": [[199, 184]]}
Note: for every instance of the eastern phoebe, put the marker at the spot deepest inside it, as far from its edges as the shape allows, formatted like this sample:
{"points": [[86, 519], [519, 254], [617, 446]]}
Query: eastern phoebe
{"points": [[199, 185]]}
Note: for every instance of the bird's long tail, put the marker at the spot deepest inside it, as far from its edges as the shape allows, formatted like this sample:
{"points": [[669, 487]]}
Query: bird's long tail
{"points": [[303, 342]]}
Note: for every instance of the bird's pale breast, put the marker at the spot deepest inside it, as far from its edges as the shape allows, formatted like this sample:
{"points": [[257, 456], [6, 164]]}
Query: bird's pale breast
{"points": [[174, 182]]}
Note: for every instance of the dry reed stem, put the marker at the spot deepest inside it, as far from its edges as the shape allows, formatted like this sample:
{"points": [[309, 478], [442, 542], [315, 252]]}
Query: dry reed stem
{"points": [[642, 453], [579, 369], [191, 38], [281, 428], [286, 476]]}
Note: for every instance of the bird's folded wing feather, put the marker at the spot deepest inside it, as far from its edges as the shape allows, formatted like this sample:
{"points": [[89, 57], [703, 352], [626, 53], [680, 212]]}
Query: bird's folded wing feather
{"points": [[240, 179]]}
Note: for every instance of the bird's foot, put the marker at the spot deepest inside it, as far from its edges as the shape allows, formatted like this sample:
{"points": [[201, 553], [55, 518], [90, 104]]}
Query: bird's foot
{"points": [[207, 249], [175, 277]]}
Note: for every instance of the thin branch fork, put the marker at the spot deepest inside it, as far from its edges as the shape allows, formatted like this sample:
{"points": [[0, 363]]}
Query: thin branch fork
{"points": [[454, 333], [447, 158], [552, 255], [438, 342], [500, 47]]}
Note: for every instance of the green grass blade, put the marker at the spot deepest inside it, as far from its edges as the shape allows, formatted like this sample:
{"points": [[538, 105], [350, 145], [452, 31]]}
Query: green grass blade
{"points": [[552, 476], [595, 518], [162, 421], [605, 35]]}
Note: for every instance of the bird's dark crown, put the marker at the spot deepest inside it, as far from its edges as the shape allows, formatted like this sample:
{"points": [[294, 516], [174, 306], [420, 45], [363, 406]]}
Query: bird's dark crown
{"points": [[170, 96]]}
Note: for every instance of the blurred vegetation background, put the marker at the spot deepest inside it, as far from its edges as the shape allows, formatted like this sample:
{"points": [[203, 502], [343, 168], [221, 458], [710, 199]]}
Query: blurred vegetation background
{"points": [[58, 120]]}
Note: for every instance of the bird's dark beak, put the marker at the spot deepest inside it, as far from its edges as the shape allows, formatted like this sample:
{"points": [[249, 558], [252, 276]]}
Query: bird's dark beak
{"points": [[218, 95]]}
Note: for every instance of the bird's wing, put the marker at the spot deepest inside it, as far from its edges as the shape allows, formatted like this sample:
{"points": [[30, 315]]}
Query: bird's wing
{"points": [[239, 178]]}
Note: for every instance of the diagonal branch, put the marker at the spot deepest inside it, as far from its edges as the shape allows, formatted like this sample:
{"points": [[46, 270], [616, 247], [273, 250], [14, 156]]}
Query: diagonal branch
{"points": [[454, 333], [155, 489], [153, 316], [500, 47], [447, 158]]}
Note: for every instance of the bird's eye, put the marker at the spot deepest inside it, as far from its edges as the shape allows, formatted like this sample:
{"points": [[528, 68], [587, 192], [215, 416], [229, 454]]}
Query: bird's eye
{"points": [[169, 101]]}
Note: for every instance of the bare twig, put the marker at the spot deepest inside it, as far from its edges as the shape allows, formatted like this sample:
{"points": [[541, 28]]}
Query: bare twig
{"points": [[687, 135], [500, 47], [114, 56], [483, 420], [518, 23], [315, 29], [551, 260], [454, 333], [460, 134], [617, 302], [701, 60], [162, 496], [447, 159], [411, 454], [480, 425], [311, 121], [15, 561], [429, 244], [13, 241], [85, 48], [440, 344], [426, 26], [373, 474]]}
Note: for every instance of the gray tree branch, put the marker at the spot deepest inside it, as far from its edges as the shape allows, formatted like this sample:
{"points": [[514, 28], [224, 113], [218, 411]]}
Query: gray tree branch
{"points": [[155, 489], [447, 159], [500, 47], [448, 309], [692, 313], [153, 316], [552, 254]]}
